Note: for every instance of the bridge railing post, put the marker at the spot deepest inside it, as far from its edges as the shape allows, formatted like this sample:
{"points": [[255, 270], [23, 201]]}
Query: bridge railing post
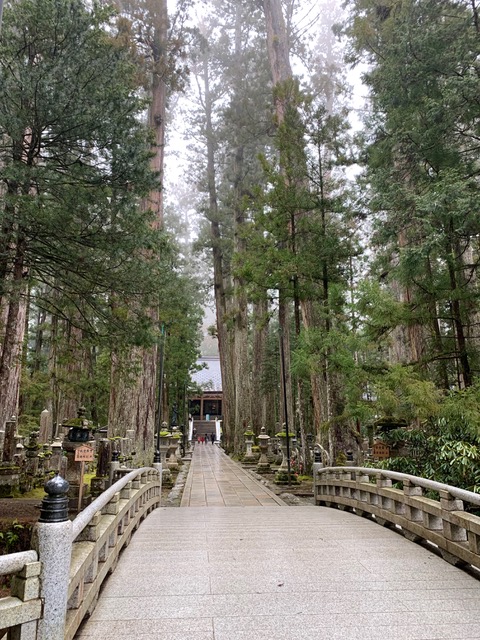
{"points": [[452, 531], [53, 539]]}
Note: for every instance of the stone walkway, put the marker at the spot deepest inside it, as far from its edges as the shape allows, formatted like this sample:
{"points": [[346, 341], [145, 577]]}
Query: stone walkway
{"points": [[276, 573], [214, 480]]}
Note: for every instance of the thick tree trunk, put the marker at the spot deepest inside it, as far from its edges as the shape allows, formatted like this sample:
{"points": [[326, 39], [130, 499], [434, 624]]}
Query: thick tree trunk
{"points": [[224, 342], [281, 72], [12, 338], [260, 323], [139, 413], [243, 409], [455, 271]]}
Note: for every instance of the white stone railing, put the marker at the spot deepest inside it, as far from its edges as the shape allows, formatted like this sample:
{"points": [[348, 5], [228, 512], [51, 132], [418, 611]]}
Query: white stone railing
{"points": [[20, 612], [53, 590], [100, 532], [443, 522]]}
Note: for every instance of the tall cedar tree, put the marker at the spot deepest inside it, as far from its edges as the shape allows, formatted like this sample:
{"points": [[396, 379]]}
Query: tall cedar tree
{"points": [[74, 165], [423, 169]]}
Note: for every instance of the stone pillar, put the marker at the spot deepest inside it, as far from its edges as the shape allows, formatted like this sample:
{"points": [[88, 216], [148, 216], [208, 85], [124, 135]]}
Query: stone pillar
{"points": [[9, 443], [317, 465], [57, 456], [114, 465], [31, 461], [104, 454], [451, 530], [131, 444], [263, 465], [53, 537], [45, 427]]}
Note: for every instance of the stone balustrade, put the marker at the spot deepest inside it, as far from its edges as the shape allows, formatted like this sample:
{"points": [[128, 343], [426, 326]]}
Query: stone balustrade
{"points": [[100, 532], [438, 518], [20, 612], [54, 589]]}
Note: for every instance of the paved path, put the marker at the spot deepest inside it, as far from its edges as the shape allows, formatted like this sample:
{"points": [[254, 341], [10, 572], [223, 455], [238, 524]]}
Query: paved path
{"points": [[214, 480], [277, 573]]}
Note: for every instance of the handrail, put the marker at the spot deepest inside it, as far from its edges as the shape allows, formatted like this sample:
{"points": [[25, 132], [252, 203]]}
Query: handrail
{"points": [[420, 518], [14, 562], [431, 485], [84, 517]]}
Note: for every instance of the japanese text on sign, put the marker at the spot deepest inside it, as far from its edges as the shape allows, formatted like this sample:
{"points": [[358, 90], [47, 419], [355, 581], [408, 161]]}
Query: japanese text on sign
{"points": [[84, 454]]}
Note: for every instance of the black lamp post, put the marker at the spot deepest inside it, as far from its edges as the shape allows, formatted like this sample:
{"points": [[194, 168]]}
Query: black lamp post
{"points": [[158, 422]]}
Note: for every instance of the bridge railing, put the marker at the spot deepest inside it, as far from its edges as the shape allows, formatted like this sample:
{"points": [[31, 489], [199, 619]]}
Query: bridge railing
{"points": [[100, 532], [439, 517], [54, 587], [20, 611]]}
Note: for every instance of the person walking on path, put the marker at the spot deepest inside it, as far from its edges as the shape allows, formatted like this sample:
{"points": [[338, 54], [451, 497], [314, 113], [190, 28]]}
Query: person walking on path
{"points": [[212, 438]]}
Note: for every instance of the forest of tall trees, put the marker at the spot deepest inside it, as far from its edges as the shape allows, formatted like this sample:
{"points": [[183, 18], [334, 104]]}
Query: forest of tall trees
{"points": [[326, 158]]}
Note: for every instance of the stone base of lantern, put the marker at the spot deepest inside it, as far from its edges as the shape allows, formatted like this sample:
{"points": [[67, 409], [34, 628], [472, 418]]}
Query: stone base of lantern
{"points": [[281, 477], [263, 467], [98, 485], [73, 494], [167, 480], [9, 480]]}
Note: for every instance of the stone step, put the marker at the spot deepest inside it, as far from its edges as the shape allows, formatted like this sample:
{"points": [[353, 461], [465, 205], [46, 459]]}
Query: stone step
{"points": [[204, 427]]}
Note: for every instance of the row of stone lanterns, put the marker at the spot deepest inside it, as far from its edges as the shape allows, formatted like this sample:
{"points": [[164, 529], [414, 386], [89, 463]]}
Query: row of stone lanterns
{"points": [[263, 464]]}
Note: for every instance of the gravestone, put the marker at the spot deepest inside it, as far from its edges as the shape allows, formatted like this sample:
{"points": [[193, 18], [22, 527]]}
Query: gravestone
{"points": [[45, 427], [9, 442]]}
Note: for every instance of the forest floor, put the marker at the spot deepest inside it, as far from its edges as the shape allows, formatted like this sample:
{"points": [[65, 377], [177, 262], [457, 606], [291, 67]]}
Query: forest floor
{"points": [[22, 510]]}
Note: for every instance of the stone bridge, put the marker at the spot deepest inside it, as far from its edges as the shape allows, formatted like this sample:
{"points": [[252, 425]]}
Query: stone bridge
{"points": [[234, 562]]}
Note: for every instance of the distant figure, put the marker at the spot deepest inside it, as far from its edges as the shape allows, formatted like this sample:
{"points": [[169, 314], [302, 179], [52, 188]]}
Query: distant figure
{"points": [[194, 433], [212, 437]]}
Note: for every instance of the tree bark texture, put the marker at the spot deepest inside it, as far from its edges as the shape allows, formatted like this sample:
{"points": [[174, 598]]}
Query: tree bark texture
{"points": [[281, 71], [133, 407]]}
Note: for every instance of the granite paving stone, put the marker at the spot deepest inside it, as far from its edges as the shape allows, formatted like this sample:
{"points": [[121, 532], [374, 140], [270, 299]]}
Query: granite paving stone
{"points": [[262, 570]]}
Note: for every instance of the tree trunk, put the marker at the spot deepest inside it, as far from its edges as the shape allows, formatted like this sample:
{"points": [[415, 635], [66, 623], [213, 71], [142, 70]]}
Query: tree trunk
{"points": [[243, 409], [260, 333], [281, 71], [224, 344], [139, 413], [13, 336]]}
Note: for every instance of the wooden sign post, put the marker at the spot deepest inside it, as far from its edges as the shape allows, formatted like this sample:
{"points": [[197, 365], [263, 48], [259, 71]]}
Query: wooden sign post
{"points": [[380, 451], [83, 454]]}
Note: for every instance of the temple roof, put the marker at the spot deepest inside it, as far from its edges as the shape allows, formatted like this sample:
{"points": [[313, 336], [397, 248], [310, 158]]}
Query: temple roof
{"points": [[208, 378]]}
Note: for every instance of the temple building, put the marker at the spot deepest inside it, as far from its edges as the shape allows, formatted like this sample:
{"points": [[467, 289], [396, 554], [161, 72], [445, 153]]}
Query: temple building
{"points": [[207, 405]]}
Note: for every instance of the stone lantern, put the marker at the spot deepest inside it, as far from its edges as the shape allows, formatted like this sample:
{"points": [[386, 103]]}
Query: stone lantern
{"points": [[249, 441], [263, 465], [174, 442], [282, 436], [78, 435], [282, 476], [165, 436]]}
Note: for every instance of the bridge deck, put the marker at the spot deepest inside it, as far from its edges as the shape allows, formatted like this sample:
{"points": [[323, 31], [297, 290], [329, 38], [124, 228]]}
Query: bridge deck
{"points": [[276, 572]]}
